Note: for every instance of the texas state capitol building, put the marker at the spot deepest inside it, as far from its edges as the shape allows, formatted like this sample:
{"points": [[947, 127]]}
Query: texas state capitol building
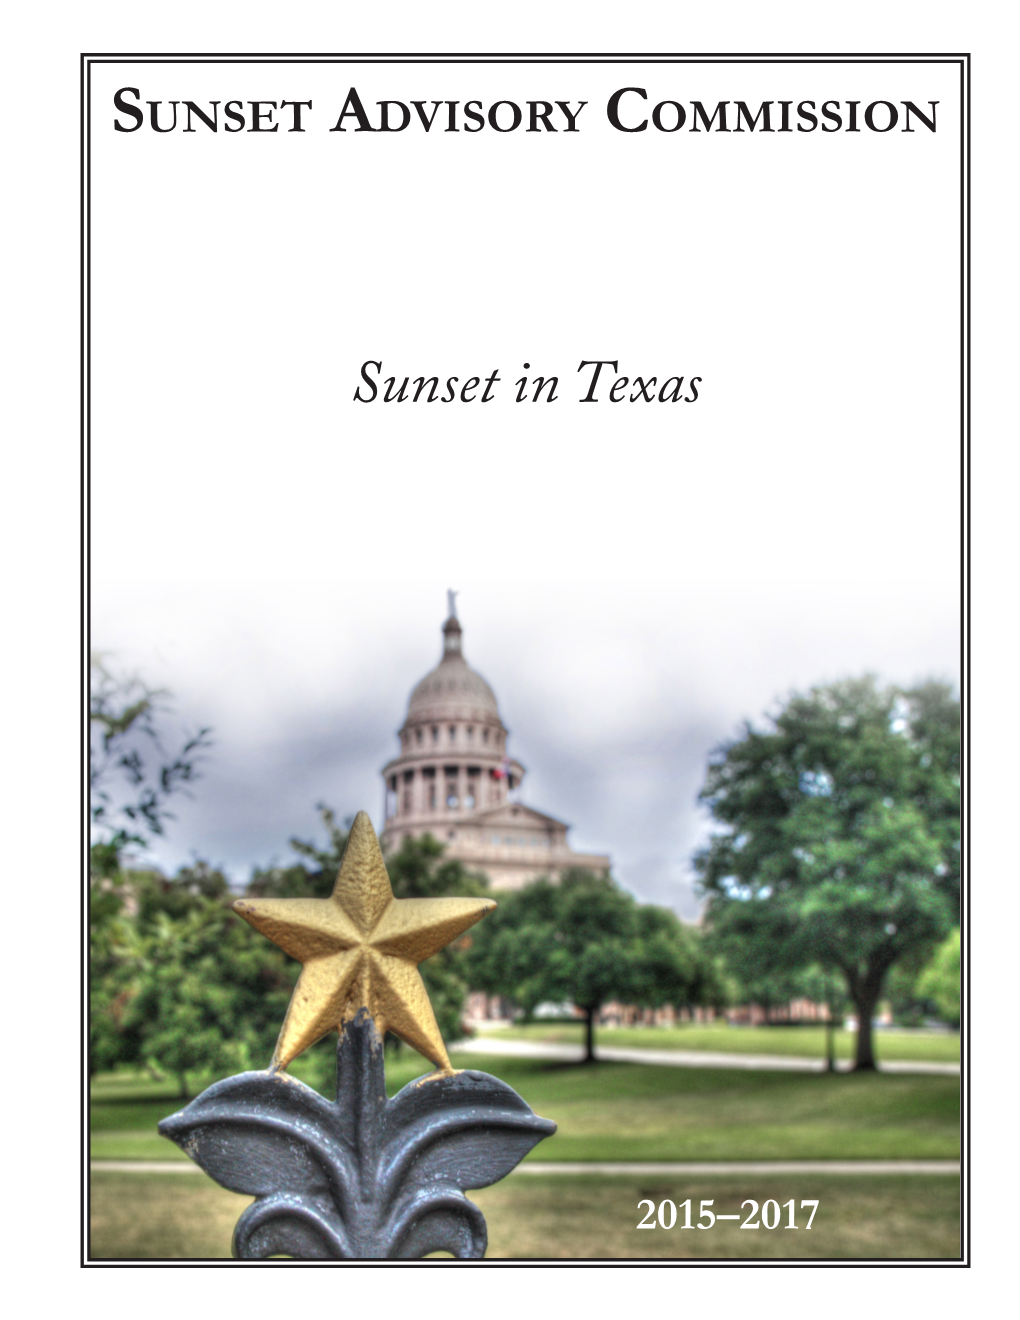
{"points": [[453, 779]]}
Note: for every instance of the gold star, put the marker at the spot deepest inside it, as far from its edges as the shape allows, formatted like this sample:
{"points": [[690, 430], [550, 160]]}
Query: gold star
{"points": [[361, 948]]}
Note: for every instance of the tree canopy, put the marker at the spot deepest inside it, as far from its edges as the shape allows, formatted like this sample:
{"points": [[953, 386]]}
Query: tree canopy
{"points": [[586, 940], [177, 981], [132, 771], [137, 917], [940, 980], [207, 997], [839, 838]]}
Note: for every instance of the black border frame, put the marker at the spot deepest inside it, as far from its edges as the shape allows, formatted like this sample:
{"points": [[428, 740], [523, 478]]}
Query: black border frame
{"points": [[963, 59]]}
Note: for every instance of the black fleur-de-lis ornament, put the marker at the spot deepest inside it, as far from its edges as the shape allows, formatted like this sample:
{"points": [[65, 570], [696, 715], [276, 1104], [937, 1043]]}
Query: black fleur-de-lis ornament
{"points": [[361, 1177]]}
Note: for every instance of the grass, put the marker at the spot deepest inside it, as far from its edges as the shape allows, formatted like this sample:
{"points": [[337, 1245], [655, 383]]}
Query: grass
{"points": [[606, 1111], [805, 1042], [588, 1218], [618, 1111], [187, 1216]]}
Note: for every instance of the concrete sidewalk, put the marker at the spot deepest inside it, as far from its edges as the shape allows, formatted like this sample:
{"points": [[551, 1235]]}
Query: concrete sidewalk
{"points": [[696, 1168], [526, 1049]]}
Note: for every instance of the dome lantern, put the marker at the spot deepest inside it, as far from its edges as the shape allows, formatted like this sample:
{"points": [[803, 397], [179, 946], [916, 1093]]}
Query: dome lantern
{"points": [[453, 690], [452, 633]]}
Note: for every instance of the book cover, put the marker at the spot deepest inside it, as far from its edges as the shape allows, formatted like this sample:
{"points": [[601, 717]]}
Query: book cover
{"points": [[628, 392]]}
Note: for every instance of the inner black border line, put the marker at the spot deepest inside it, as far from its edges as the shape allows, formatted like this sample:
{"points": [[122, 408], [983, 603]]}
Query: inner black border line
{"points": [[85, 294]]}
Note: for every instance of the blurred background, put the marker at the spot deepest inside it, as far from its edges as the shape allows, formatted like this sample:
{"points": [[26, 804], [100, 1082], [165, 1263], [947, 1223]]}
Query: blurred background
{"points": [[696, 912]]}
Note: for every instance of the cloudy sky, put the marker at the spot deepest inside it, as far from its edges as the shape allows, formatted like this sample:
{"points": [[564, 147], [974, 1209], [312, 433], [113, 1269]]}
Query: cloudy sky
{"points": [[614, 697]]}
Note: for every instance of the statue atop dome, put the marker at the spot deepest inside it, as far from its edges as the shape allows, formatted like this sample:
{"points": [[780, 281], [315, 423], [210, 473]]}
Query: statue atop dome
{"points": [[454, 779]]}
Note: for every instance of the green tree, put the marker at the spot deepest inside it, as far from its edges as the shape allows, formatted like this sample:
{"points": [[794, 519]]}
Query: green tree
{"points": [[115, 960], [311, 879], [417, 870], [207, 997], [756, 981], [132, 776], [940, 980], [132, 772], [909, 1006], [840, 836], [586, 940]]}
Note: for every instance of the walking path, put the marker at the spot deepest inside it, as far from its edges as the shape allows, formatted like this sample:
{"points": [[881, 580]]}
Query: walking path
{"points": [[692, 1169], [687, 1168], [528, 1049]]}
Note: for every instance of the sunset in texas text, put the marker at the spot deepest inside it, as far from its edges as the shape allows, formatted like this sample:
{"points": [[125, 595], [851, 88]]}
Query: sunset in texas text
{"points": [[613, 386]]}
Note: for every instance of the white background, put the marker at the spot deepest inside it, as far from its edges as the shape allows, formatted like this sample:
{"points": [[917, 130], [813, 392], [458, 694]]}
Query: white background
{"points": [[41, 584], [809, 280]]}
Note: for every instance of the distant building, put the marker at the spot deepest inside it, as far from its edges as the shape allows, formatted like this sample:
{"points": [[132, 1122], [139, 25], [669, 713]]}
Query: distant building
{"points": [[454, 779]]}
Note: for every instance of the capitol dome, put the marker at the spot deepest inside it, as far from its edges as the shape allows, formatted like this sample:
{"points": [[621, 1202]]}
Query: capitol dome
{"points": [[453, 779], [452, 691]]}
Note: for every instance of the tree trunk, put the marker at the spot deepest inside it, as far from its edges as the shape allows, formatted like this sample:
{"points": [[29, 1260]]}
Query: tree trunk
{"points": [[589, 1036], [830, 1042], [865, 1001], [830, 1025], [182, 1077]]}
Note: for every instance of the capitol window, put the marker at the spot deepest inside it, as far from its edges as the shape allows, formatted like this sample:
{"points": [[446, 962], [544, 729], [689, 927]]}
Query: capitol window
{"points": [[470, 733], [453, 732], [451, 799], [485, 735], [469, 800], [419, 737], [435, 734]]}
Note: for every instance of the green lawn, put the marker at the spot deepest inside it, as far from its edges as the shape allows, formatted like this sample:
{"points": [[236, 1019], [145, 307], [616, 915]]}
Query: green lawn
{"points": [[615, 1112], [809, 1042], [187, 1216], [608, 1111]]}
